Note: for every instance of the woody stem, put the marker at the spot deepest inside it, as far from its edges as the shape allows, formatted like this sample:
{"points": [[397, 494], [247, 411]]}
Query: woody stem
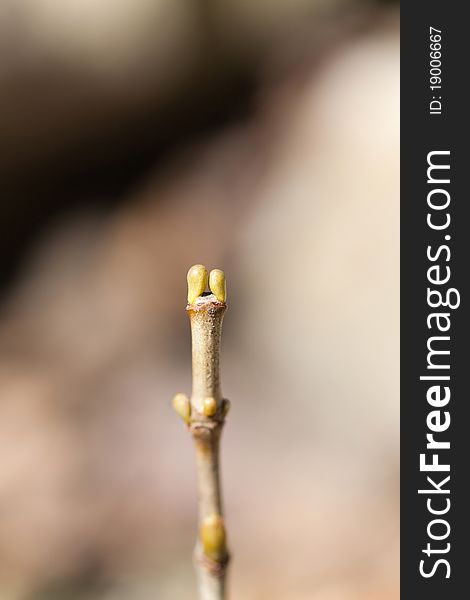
{"points": [[207, 418]]}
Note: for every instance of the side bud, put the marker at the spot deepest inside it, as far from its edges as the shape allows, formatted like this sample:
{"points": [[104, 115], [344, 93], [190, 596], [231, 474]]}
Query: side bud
{"points": [[182, 406], [225, 407], [210, 407]]}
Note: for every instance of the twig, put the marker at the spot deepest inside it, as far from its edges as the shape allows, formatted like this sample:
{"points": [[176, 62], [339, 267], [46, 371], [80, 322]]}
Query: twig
{"points": [[204, 415]]}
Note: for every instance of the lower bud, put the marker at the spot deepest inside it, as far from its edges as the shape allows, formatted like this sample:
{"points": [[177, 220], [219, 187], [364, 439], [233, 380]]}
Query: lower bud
{"points": [[212, 536]]}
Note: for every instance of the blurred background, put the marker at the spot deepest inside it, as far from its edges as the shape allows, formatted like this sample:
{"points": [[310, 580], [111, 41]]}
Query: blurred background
{"points": [[138, 137]]}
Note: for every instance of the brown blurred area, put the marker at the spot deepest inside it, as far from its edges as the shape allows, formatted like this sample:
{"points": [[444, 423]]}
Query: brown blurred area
{"points": [[138, 137]]}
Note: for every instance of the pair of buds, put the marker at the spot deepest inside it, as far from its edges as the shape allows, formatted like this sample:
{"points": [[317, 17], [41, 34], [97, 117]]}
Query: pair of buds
{"points": [[182, 406], [197, 283]]}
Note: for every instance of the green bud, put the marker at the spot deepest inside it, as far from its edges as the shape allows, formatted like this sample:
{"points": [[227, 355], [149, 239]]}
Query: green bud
{"points": [[182, 406], [217, 284], [197, 282], [212, 536]]}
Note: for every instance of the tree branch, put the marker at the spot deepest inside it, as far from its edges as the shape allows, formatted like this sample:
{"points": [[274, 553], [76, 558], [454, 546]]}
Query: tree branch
{"points": [[204, 415]]}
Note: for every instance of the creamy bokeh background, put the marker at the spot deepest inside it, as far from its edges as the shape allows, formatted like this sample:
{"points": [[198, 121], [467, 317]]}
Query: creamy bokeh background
{"points": [[298, 202]]}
